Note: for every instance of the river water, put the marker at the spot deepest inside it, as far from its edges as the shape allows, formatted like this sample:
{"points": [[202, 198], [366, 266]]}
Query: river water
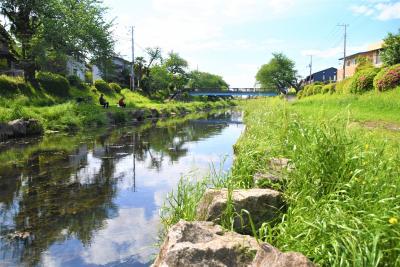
{"points": [[93, 198]]}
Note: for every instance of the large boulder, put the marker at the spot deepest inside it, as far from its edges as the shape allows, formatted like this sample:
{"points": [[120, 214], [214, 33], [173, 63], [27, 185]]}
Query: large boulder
{"points": [[196, 244], [5, 131], [267, 179], [24, 127], [264, 205]]}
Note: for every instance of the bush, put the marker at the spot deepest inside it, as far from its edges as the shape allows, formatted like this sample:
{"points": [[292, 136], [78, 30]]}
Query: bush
{"points": [[363, 80], [316, 89], [343, 87], [329, 88], [8, 85], [53, 83], [115, 87], [74, 80], [387, 78], [102, 86]]}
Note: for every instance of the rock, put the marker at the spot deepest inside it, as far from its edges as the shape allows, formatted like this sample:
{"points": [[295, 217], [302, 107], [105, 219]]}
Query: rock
{"points": [[5, 131], [138, 114], [262, 179], [263, 205], [23, 127], [154, 113], [280, 164], [196, 244]]}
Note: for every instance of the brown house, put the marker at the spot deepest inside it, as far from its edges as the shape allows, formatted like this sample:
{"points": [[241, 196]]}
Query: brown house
{"points": [[372, 53]]}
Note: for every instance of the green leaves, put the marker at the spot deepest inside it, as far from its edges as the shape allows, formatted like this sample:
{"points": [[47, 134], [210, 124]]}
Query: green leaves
{"points": [[391, 49]]}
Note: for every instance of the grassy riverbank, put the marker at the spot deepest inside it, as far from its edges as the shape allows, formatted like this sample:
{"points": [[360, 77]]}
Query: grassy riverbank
{"points": [[63, 112], [343, 195]]}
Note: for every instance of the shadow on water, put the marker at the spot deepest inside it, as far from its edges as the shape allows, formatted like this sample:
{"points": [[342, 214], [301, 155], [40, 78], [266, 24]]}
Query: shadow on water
{"points": [[62, 197]]}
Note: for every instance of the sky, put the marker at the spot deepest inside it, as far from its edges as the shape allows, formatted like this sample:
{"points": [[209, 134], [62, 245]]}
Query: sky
{"points": [[233, 38]]}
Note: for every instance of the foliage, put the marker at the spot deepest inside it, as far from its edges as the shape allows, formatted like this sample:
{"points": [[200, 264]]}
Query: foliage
{"points": [[279, 74], [177, 67], [53, 83], [343, 87], [160, 78], [363, 80], [88, 77], [103, 86], [115, 87], [198, 79], [8, 85], [329, 88], [38, 28], [74, 80], [387, 78], [391, 49], [363, 63]]}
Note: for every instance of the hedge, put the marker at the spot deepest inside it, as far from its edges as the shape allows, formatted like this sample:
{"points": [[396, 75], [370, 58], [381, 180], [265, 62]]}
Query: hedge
{"points": [[387, 78]]}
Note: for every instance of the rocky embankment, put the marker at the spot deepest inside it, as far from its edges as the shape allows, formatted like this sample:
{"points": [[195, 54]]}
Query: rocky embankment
{"points": [[205, 243]]}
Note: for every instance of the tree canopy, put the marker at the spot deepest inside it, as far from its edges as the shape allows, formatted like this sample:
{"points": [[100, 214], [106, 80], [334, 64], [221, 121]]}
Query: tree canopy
{"points": [[71, 27], [278, 74], [198, 79], [391, 49]]}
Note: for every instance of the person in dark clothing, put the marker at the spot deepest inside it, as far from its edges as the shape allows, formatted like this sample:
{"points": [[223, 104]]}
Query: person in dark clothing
{"points": [[103, 102], [121, 102]]}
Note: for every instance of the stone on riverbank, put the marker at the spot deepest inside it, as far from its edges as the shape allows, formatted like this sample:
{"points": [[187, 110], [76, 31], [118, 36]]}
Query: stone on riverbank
{"points": [[262, 180], [264, 205], [281, 164], [206, 244], [20, 128]]}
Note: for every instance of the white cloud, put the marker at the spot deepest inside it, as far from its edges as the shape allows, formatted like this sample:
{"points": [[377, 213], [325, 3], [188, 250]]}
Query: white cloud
{"points": [[380, 9], [388, 11], [334, 52]]}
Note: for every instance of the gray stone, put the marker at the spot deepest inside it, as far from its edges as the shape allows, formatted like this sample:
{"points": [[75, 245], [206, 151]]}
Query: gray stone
{"points": [[281, 164], [264, 205], [196, 244], [5, 131], [23, 127], [139, 114], [261, 179], [154, 113]]}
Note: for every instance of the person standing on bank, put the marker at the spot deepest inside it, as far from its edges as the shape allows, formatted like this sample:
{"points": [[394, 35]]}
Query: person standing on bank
{"points": [[121, 102]]}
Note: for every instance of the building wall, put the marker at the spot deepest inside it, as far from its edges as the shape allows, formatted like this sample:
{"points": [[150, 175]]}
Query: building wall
{"points": [[351, 65], [77, 68]]}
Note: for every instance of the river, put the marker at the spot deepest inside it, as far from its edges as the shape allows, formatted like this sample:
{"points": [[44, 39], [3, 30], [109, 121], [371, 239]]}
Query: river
{"points": [[93, 198]]}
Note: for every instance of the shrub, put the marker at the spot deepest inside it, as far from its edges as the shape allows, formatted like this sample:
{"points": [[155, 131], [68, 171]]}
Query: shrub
{"points": [[115, 87], [329, 88], [343, 87], [53, 83], [387, 78], [74, 80], [102, 86], [363, 80], [316, 89], [8, 85]]}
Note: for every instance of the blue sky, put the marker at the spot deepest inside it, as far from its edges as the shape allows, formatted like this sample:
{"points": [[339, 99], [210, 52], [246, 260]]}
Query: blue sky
{"points": [[233, 38]]}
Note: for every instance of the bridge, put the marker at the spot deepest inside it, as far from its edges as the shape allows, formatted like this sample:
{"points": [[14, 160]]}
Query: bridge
{"points": [[231, 92]]}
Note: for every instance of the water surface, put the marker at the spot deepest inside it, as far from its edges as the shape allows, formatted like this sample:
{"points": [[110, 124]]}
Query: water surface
{"points": [[93, 199]]}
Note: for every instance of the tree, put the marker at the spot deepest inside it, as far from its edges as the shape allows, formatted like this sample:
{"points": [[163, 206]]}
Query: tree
{"points": [[279, 74], [73, 27], [177, 66], [391, 49], [198, 79]]}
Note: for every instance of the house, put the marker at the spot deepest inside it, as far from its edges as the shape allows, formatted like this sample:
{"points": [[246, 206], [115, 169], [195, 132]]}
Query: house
{"points": [[372, 53], [325, 76], [118, 72], [76, 66]]}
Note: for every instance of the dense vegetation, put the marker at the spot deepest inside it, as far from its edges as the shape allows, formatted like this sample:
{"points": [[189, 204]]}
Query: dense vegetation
{"points": [[343, 194], [59, 106]]}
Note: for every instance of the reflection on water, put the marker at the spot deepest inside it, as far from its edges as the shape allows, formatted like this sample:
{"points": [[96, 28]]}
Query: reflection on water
{"points": [[93, 199]]}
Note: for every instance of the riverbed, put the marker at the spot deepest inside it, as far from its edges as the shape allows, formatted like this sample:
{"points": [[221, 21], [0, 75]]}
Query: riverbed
{"points": [[93, 198]]}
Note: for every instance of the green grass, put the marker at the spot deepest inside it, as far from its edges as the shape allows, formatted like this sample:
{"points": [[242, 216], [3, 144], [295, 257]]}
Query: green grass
{"points": [[343, 196], [65, 114]]}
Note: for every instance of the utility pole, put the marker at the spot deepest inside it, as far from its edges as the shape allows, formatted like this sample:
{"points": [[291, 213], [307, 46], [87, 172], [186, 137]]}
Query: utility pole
{"points": [[344, 48], [133, 61], [310, 66]]}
